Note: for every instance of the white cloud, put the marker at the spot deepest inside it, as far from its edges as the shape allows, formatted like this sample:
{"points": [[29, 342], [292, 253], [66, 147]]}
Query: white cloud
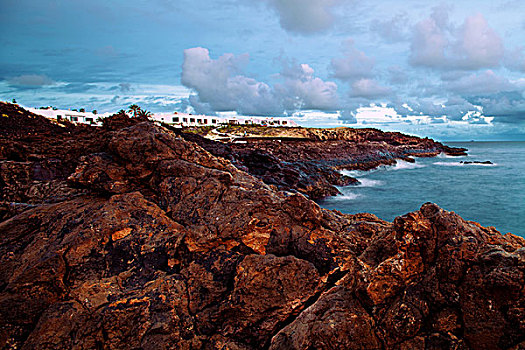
{"points": [[310, 118], [302, 90], [217, 83], [437, 43], [221, 87], [478, 45], [429, 39]]}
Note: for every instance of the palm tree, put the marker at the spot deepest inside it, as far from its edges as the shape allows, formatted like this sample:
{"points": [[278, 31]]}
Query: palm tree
{"points": [[144, 113], [134, 109]]}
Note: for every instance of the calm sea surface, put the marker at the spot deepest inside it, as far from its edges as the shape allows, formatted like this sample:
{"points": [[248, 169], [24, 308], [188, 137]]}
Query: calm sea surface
{"points": [[493, 195]]}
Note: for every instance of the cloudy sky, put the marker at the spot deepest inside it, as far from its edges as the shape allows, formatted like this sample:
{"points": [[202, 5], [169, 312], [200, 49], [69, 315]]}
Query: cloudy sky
{"points": [[448, 70]]}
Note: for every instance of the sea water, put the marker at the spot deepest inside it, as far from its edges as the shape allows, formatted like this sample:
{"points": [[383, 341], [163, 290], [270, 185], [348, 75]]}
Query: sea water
{"points": [[493, 195]]}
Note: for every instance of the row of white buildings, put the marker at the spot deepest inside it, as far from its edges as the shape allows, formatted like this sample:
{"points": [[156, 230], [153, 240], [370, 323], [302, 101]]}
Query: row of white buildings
{"points": [[175, 119]]}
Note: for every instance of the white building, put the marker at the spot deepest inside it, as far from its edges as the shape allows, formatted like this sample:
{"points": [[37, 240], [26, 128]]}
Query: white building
{"points": [[176, 119], [185, 119], [71, 116]]}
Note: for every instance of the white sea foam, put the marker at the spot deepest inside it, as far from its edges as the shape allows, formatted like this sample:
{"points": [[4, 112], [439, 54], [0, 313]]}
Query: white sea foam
{"points": [[401, 164], [443, 155], [449, 163], [462, 164], [364, 182], [353, 173], [346, 196]]}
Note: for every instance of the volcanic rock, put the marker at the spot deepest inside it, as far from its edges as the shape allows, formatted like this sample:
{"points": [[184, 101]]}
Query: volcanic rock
{"points": [[155, 243], [476, 162]]}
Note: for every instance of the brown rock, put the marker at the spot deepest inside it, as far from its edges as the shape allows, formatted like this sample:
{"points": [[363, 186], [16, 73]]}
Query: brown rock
{"points": [[335, 321], [146, 240]]}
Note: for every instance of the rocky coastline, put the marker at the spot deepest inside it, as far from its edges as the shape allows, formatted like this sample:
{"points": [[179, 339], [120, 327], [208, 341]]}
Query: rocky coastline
{"points": [[135, 236], [308, 160]]}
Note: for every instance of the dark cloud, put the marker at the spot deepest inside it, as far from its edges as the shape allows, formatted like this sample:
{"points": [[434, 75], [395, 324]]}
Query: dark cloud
{"points": [[77, 87], [454, 108], [107, 52], [348, 116], [125, 87], [506, 107], [122, 87], [480, 83], [30, 81]]}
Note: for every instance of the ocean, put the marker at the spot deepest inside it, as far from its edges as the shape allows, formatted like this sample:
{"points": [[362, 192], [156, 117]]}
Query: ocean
{"points": [[493, 195]]}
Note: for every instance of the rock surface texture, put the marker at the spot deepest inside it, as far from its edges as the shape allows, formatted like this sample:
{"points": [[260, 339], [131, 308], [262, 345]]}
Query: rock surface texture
{"points": [[139, 239]]}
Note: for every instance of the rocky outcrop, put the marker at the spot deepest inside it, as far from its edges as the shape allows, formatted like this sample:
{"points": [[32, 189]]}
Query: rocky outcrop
{"points": [[309, 160], [486, 162], [155, 243]]}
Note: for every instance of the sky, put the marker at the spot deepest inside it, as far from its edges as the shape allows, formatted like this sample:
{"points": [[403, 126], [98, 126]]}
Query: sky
{"points": [[448, 70]]}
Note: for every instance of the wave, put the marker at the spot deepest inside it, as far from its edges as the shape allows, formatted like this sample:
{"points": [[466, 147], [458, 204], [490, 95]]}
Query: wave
{"points": [[346, 196], [364, 182], [401, 164], [462, 164], [353, 173], [443, 155]]}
